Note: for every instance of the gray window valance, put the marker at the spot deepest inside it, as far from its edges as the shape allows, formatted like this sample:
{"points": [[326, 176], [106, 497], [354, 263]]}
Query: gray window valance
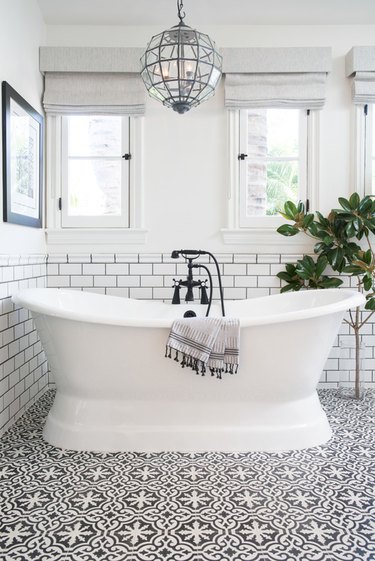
{"points": [[360, 65], [271, 77], [85, 80]]}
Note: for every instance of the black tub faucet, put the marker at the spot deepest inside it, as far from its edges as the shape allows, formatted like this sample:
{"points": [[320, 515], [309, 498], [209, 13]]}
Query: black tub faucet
{"points": [[190, 255], [189, 284]]}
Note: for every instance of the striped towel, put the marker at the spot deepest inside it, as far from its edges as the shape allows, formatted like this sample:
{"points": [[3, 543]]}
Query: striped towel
{"points": [[205, 343]]}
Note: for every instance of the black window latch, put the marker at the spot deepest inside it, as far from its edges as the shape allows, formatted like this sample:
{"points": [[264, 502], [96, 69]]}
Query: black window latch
{"points": [[242, 156], [127, 156]]}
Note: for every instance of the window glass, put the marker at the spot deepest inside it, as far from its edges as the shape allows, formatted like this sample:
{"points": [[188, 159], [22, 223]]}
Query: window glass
{"points": [[94, 187], [273, 164], [94, 135], [95, 174]]}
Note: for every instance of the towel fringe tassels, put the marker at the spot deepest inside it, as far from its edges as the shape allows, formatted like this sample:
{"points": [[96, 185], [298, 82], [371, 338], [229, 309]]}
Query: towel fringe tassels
{"points": [[188, 361], [198, 366]]}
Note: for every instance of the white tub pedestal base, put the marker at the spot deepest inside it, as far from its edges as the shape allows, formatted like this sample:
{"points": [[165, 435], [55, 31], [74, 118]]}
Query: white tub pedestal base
{"points": [[112, 426]]}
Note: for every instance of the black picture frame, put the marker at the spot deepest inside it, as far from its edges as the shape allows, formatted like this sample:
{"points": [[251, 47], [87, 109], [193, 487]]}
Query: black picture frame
{"points": [[22, 133]]}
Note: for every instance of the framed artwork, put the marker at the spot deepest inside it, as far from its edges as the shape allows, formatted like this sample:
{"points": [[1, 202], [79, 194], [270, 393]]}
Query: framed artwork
{"points": [[22, 129]]}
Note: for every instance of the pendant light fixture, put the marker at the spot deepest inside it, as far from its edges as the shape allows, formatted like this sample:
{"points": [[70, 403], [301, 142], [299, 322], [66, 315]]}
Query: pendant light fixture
{"points": [[181, 66]]}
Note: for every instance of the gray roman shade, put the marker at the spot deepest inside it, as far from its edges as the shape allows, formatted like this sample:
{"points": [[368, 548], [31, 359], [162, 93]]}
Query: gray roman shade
{"points": [[360, 65], [92, 80], [272, 77]]}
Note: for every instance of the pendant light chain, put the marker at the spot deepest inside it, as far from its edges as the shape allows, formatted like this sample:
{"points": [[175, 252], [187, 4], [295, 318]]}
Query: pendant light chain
{"points": [[181, 13]]}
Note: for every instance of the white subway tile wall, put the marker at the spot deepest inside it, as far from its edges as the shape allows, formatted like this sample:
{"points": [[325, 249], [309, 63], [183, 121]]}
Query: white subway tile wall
{"points": [[150, 276], [23, 366], [24, 372]]}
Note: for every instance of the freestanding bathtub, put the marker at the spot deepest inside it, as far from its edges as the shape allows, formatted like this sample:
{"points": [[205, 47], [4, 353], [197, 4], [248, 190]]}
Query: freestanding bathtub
{"points": [[117, 392]]}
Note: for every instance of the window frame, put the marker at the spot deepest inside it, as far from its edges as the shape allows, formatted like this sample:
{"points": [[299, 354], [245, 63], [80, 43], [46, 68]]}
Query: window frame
{"points": [[135, 232], [262, 230]]}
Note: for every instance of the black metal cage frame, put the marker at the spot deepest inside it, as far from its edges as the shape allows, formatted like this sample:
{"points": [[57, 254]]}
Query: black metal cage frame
{"points": [[177, 48]]}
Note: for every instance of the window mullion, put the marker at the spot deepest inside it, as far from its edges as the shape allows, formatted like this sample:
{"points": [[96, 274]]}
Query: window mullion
{"points": [[94, 157], [243, 164], [64, 171], [125, 170]]}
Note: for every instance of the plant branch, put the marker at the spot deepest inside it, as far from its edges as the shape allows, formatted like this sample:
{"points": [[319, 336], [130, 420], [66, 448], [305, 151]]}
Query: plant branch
{"points": [[366, 320]]}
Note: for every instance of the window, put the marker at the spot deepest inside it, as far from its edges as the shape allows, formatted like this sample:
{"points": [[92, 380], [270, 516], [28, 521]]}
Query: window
{"points": [[273, 157], [95, 179], [95, 171], [272, 161]]}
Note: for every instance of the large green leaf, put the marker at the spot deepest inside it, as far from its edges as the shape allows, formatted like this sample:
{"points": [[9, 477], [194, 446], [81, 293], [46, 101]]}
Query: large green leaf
{"points": [[350, 230], [321, 264], [290, 209], [305, 267], [308, 219], [365, 205], [288, 230], [353, 270], [330, 282], [354, 201], [367, 281], [283, 275], [290, 268], [290, 287], [370, 304], [367, 257], [335, 257], [345, 204]]}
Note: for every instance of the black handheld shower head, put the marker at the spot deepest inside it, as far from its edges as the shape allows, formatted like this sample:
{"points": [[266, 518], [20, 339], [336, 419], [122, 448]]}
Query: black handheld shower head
{"points": [[185, 252]]}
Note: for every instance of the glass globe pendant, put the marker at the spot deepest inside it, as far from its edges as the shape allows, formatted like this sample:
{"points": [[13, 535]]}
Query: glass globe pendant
{"points": [[181, 66]]}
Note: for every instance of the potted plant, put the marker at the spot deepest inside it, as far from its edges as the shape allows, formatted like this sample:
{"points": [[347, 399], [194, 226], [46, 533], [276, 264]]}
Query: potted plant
{"points": [[343, 241]]}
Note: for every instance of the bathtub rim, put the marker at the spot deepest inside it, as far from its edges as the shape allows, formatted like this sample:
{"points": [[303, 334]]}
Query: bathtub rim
{"points": [[29, 298]]}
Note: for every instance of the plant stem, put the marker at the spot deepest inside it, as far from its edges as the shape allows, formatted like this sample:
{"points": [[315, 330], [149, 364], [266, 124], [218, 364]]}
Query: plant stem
{"points": [[357, 355], [352, 320], [369, 243]]}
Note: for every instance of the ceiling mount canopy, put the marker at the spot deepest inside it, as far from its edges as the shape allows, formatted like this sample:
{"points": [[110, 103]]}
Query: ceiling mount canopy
{"points": [[181, 66]]}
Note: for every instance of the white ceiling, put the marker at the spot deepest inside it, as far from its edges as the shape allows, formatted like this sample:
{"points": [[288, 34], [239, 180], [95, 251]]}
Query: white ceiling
{"points": [[208, 12]]}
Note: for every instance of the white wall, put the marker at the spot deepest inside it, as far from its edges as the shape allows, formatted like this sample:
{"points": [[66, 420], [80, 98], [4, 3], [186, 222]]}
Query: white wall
{"points": [[22, 30], [186, 156]]}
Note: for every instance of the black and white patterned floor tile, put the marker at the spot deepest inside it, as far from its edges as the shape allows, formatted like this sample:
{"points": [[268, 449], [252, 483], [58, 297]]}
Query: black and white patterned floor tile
{"points": [[310, 505]]}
